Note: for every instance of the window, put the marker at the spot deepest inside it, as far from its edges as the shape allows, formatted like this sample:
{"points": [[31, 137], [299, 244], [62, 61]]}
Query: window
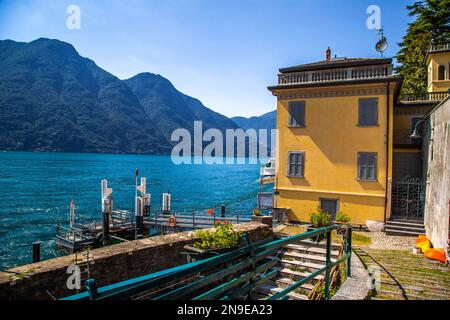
{"points": [[296, 164], [296, 114], [368, 112], [441, 73], [367, 166]]}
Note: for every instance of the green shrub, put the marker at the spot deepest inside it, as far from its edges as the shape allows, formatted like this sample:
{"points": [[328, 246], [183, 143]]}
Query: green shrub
{"points": [[319, 218], [342, 217], [223, 237]]}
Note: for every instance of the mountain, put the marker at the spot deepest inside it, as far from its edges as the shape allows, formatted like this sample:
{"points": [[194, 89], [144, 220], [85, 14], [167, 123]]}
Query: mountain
{"points": [[266, 121], [53, 99], [170, 109]]}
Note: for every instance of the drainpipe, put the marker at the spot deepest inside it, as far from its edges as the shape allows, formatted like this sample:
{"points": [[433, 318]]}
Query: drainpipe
{"points": [[387, 149]]}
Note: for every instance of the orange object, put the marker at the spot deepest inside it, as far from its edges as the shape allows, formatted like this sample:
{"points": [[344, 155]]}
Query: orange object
{"points": [[423, 243], [210, 211], [436, 254], [172, 221]]}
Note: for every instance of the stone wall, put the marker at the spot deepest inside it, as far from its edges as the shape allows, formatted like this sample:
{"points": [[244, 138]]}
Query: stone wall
{"points": [[111, 264], [438, 175]]}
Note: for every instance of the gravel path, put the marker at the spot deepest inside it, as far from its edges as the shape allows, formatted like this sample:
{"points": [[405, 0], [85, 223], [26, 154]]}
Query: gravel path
{"points": [[381, 241]]}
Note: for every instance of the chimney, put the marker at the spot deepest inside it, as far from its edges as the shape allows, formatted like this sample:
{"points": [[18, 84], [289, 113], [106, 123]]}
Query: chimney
{"points": [[328, 54]]}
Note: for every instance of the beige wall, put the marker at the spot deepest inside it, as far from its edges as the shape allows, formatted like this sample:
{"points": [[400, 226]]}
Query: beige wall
{"points": [[434, 61], [438, 178]]}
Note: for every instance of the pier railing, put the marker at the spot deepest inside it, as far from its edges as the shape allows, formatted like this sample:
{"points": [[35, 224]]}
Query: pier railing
{"points": [[231, 275], [197, 219]]}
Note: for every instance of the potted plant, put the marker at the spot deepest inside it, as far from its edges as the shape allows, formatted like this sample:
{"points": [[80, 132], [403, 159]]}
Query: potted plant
{"points": [[318, 219], [223, 239], [342, 218]]}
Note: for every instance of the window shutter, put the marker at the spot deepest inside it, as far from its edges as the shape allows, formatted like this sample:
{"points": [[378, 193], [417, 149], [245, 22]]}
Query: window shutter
{"points": [[368, 111], [362, 112], [373, 105], [372, 165], [291, 164], [296, 164], [367, 166]]}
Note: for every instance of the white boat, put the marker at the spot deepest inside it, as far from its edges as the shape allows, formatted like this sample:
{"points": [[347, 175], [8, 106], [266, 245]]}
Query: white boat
{"points": [[269, 169]]}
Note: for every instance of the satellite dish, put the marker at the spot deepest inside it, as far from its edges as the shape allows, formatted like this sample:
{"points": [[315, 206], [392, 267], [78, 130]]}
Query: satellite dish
{"points": [[381, 45]]}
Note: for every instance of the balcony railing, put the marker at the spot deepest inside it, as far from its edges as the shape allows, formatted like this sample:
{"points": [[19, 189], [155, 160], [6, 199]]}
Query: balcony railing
{"points": [[424, 96], [439, 46], [330, 75]]}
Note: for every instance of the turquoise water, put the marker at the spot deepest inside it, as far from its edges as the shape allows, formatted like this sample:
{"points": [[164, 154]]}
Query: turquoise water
{"points": [[36, 190]]}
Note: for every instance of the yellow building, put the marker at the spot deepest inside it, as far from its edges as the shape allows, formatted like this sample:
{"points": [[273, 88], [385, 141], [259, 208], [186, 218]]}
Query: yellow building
{"points": [[438, 62], [343, 136]]}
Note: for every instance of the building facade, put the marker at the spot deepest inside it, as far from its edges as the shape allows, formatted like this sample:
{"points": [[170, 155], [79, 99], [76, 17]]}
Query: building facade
{"points": [[335, 121], [345, 141]]}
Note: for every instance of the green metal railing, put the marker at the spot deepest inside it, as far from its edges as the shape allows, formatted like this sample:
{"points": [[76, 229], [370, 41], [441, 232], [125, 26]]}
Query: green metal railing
{"points": [[235, 274]]}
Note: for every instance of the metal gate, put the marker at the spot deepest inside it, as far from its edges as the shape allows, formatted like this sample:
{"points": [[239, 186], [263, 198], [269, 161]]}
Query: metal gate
{"points": [[408, 198]]}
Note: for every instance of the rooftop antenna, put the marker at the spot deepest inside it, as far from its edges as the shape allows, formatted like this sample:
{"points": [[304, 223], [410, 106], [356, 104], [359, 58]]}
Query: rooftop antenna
{"points": [[382, 44]]}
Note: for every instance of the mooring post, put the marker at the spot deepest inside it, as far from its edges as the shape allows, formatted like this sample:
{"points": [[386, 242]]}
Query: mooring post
{"points": [[139, 216], [105, 218], [36, 251]]}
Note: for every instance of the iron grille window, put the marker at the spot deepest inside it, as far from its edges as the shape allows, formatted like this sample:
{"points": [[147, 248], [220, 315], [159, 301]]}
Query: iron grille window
{"points": [[296, 114], [367, 166], [296, 165], [368, 112]]}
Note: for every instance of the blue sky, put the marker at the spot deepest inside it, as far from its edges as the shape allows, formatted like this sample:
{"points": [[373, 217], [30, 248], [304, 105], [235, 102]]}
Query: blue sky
{"points": [[224, 52]]}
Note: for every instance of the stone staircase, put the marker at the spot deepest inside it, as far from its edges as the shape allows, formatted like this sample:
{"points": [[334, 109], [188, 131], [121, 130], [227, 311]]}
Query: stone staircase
{"points": [[400, 227], [295, 262]]}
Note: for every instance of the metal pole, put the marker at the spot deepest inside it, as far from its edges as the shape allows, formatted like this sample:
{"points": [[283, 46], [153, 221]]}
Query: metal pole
{"points": [[328, 262], [136, 174], [349, 251], [36, 251]]}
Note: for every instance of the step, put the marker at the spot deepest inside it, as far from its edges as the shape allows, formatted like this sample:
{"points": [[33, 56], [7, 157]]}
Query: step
{"points": [[305, 266], [402, 233], [286, 282], [271, 288], [305, 257], [404, 223], [314, 250], [296, 275], [313, 244], [406, 228]]}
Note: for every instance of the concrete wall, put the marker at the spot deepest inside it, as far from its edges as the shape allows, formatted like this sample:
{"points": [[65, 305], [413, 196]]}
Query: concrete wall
{"points": [[109, 264], [438, 176]]}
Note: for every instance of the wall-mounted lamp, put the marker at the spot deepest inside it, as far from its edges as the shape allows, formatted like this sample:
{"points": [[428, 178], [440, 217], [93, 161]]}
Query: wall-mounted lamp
{"points": [[416, 134]]}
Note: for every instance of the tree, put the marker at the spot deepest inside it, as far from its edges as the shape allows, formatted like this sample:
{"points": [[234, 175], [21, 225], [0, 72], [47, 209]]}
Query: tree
{"points": [[432, 23]]}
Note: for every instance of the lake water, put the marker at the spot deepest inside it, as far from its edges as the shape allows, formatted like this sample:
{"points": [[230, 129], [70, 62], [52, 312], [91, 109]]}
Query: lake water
{"points": [[36, 190]]}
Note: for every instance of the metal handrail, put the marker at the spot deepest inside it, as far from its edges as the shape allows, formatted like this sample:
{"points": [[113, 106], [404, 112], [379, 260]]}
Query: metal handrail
{"points": [[243, 258]]}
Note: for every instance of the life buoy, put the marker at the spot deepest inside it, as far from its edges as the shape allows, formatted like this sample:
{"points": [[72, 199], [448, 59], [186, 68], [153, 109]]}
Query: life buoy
{"points": [[172, 221]]}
